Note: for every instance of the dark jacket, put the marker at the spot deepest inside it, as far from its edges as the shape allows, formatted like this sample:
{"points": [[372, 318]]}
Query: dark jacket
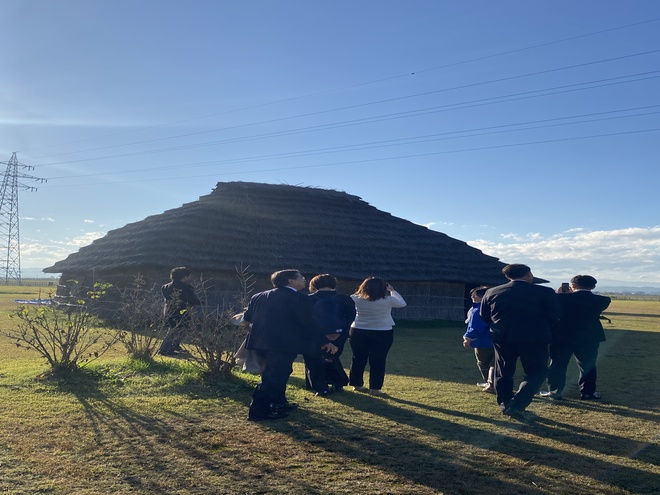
{"points": [[179, 297], [520, 312], [580, 317], [281, 320], [347, 308]]}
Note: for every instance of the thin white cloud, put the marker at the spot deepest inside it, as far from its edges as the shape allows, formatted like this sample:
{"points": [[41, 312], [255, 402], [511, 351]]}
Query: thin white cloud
{"points": [[43, 254], [88, 221], [631, 254], [48, 122], [85, 239], [42, 219]]}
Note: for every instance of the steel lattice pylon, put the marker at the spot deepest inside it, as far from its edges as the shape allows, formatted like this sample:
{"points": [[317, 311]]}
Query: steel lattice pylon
{"points": [[9, 224]]}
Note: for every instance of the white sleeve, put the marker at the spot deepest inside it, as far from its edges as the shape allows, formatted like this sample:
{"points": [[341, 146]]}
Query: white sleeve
{"points": [[396, 300]]}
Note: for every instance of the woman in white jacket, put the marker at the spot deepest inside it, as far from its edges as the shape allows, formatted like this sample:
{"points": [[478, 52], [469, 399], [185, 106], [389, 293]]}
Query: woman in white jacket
{"points": [[371, 334]]}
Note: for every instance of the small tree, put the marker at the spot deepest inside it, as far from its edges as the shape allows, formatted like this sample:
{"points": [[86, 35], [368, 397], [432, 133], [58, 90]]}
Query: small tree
{"points": [[65, 335], [139, 319]]}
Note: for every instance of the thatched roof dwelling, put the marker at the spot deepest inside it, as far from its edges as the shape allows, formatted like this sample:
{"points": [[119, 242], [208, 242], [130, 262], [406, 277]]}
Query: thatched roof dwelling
{"points": [[270, 227]]}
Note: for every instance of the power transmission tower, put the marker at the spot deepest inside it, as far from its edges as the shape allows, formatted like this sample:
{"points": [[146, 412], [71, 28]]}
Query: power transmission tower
{"points": [[9, 227]]}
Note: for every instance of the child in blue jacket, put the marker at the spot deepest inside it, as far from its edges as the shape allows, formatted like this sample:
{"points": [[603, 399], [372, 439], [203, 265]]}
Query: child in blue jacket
{"points": [[477, 337]]}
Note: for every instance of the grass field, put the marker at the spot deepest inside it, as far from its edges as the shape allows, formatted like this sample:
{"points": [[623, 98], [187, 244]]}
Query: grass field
{"points": [[125, 428]]}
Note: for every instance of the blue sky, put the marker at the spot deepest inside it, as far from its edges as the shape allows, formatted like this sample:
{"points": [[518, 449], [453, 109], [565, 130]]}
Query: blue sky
{"points": [[528, 129]]}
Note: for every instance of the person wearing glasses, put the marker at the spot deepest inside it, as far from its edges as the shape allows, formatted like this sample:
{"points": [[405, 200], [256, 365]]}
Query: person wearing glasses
{"points": [[282, 326]]}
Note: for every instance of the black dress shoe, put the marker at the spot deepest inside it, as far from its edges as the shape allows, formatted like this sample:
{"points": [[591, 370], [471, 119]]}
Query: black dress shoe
{"points": [[594, 396], [324, 393], [520, 415], [514, 413], [271, 415]]}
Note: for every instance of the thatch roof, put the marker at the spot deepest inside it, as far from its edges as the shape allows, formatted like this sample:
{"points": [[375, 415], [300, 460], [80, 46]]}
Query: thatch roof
{"points": [[271, 227]]}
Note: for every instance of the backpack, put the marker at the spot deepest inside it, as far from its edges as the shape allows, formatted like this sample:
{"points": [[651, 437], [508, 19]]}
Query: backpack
{"points": [[328, 314]]}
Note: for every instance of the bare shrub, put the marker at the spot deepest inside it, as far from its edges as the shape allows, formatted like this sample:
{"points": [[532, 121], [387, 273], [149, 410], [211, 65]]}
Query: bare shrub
{"points": [[139, 319], [213, 339], [67, 336]]}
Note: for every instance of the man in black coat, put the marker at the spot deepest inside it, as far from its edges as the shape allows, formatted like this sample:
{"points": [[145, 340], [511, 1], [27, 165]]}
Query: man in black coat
{"points": [[179, 298], [522, 318], [282, 326], [581, 332]]}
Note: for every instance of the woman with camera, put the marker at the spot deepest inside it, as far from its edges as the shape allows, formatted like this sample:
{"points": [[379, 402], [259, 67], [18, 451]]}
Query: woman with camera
{"points": [[371, 334]]}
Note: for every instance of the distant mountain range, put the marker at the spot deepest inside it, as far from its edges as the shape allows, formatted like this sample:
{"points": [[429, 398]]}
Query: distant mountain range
{"points": [[622, 289]]}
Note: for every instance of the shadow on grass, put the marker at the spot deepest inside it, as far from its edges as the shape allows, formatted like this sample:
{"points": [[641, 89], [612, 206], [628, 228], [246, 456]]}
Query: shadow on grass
{"points": [[153, 453], [626, 362], [464, 452], [436, 447], [177, 378]]}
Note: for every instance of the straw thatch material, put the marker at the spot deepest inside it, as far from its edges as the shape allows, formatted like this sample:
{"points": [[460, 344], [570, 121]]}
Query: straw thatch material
{"points": [[270, 227]]}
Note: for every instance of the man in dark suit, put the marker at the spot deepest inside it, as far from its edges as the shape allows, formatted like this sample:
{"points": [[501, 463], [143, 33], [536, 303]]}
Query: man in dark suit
{"points": [[282, 326], [581, 332], [521, 317], [179, 298]]}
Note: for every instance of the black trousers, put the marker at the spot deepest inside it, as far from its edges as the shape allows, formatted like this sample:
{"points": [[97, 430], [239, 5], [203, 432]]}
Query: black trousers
{"points": [[274, 377], [586, 355], [177, 328], [323, 369], [315, 377], [369, 346], [534, 359]]}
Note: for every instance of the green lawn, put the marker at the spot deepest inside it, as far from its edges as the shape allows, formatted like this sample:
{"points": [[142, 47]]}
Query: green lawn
{"points": [[126, 429]]}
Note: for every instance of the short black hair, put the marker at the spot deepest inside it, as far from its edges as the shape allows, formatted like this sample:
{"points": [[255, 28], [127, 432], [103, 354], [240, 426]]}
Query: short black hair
{"points": [[584, 281], [479, 291], [282, 277], [324, 281], [179, 273], [516, 270]]}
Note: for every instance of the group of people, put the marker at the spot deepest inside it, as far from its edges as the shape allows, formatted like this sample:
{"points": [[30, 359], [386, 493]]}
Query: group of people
{"points": [[541, 328], [284, 323], [516, 321]]}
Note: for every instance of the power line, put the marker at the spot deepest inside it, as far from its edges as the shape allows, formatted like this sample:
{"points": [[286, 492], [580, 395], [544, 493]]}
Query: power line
{"points": [[372, 160], [374, 81], [384, 117], [359, 105], [393, 142]]}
